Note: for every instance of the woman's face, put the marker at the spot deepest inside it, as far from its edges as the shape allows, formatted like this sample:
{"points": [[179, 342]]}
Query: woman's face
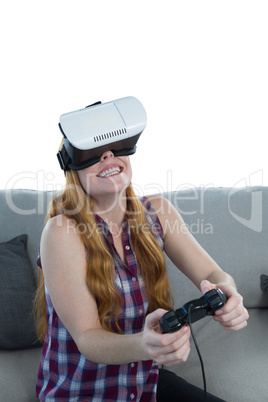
{"points": [[109, 176]]}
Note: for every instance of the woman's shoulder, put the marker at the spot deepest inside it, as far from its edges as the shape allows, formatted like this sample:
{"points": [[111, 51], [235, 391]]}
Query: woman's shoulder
{"points": [[155, 206], [60, 243], [60, 223], [159, 203], [166, 212], [60, 229]]}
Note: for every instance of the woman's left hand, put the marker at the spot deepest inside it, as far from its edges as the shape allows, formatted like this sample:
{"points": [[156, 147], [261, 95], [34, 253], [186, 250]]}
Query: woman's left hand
{"points": [[233, 316]]}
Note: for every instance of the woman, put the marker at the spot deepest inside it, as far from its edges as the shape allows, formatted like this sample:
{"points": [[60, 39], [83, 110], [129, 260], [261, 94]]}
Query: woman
{"points": [[106, 288]]}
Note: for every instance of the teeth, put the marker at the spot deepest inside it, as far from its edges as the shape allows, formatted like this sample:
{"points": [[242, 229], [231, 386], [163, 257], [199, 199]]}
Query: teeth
{"points": [[110, 172]]}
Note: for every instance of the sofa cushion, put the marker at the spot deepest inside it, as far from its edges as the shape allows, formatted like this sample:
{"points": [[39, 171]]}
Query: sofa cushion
{"points": [[235, 362], [19, 370], [17, 287]]}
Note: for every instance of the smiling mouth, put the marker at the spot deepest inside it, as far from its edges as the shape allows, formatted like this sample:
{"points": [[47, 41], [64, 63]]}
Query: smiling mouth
{"points": [[110, 172]]}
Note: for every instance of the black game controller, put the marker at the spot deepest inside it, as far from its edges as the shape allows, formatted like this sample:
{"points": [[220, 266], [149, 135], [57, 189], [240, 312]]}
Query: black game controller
{"points": [[207, 304]]}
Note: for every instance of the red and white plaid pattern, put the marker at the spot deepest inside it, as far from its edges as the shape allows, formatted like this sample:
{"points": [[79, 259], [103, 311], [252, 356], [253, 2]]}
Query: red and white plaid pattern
{"points": [[66, 375]]}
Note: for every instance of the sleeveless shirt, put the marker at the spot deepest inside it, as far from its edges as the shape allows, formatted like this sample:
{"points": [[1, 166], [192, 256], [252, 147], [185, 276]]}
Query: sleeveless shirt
{"points": [[66, 375]]}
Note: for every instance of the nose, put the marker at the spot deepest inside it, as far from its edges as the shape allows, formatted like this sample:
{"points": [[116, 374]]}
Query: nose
{"points": [[106, 155]]}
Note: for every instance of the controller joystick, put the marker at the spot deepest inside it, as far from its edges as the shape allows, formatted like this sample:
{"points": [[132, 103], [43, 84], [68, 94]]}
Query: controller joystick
{"points": [[210, 302]]}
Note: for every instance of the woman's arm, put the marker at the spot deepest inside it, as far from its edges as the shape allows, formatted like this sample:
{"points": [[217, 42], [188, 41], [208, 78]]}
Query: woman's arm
{"points": [[64, 267], [111, 348], [187, 254]]}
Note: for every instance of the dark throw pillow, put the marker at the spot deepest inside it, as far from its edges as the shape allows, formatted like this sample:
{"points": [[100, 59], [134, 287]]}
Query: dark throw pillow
{"points": [[17, 287], [264, 283]]}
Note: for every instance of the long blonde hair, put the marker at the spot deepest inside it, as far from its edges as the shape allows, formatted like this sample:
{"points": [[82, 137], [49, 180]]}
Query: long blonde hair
{"points": [[100, 266]]}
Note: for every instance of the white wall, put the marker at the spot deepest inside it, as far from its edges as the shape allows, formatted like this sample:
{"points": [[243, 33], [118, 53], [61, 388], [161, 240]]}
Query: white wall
{"points": [[199, 68]]}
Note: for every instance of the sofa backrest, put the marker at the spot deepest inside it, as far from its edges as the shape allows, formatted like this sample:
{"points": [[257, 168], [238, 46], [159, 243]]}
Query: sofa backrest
{"points": [[230, 223], [232, 226], [24, 212]]}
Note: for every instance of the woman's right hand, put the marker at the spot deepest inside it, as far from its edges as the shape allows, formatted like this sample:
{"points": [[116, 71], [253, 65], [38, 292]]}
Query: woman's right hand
{"points": [[167, 349]]}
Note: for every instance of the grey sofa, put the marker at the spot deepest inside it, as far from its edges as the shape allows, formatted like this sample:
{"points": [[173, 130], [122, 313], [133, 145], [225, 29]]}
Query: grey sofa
{"points": [[231, 224]]}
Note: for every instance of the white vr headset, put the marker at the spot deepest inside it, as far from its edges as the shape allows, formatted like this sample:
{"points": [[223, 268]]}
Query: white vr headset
{"points": [[89, 132]]}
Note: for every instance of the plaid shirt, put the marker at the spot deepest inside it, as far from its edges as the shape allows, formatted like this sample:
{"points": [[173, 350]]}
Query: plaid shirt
{"points": [[66, 375]]}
